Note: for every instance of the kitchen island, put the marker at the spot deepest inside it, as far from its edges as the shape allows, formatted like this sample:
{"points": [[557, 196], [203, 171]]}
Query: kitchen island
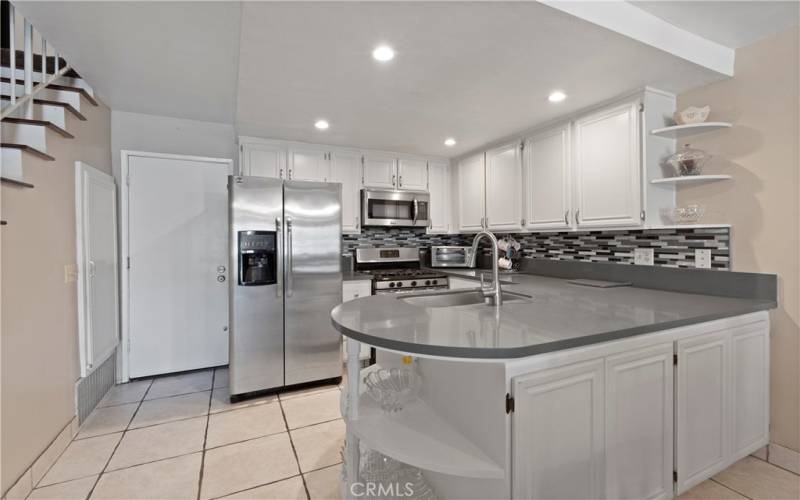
{"points": [[564, 391]]}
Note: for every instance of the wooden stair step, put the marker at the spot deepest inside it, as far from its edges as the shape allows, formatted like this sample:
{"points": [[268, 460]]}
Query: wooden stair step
{"points": [[27, 149], [5, 61], [14, 182], [41, 123], [49, 102], [56, 86]]}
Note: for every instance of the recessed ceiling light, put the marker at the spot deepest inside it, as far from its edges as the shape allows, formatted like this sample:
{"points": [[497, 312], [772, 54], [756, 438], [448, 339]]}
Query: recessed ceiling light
{"points": [[556, 96], [383, 53], [449, 142], [322, 124]]}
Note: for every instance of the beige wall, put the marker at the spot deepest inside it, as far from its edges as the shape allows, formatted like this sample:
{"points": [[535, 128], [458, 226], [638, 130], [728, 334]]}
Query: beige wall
{"points": [[761, 202], [39, 310]]}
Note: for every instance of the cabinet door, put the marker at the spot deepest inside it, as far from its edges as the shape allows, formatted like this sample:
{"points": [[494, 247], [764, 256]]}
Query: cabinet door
{"points": [[608, 168], [749, 389], [504, 187], [412, 175], [639, 419], [471, 193], [380, 171], [439, 189], [701, 419], [346, 170], [547, 183], [262, 160], [557, 431], [309, 165]]}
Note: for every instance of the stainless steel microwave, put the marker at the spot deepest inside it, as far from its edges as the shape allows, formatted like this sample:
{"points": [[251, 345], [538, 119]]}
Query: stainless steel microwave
{"points": [[449, 256], [394, 208]]}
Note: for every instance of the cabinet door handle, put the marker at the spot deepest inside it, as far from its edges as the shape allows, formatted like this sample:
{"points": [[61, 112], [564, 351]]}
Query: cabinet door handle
{"points": [[394, 177], [280, 174], [566, 218], [290, 173], [522, 222], [577, 216], [400, 181]]}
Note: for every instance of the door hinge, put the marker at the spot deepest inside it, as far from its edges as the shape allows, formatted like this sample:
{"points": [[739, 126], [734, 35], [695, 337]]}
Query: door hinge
{"points": [[643, 215], [128, 262], [675, 476], [674, 359], [522, 146], [641, 107], [509, 403]]}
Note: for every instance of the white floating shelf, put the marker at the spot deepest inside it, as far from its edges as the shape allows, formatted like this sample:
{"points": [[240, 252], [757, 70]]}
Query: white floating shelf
{"points": [[677, 131], [688, 179]]}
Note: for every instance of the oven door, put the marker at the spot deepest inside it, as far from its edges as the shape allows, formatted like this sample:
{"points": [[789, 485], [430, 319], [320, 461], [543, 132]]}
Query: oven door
{"points": [[394, 208]]}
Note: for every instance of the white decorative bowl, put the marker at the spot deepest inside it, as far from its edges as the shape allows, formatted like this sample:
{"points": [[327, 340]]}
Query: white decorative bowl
{"points": [[690, 214], [691, 115]]}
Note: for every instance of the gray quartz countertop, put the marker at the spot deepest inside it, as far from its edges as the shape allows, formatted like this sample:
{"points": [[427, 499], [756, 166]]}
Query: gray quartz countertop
{"points": [[506, 277], [559, 316]]}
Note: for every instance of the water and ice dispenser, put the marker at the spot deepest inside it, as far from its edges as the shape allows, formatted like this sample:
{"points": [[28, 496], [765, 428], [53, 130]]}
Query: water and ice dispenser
{"points": [[258, 258]]}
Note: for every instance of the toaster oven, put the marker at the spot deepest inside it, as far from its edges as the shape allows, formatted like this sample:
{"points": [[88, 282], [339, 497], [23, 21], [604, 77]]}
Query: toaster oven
{"points": [[452, 256]]}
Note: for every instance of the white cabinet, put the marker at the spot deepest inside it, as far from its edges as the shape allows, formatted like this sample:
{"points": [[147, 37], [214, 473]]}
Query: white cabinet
{"points": [[607, 166], [749, 394], [504, 188], [380, 171], [557, 431], [352, 290], [547, 180], [639, 423], [412, 174], [439, 189], [262, 160], [472, 193], [345, 168], [309, 164]]}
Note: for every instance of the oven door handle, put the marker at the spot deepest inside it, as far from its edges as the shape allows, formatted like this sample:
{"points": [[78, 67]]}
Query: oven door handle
{"points": [[416, 212]]}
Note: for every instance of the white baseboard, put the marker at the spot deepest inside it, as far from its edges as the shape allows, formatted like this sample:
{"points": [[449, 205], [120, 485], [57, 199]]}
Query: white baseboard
{"points": [[784, 458]]}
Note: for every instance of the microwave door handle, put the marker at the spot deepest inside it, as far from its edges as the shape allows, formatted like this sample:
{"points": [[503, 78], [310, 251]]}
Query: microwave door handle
{"points": [[416, 212], [279, 263], [289, 277]]}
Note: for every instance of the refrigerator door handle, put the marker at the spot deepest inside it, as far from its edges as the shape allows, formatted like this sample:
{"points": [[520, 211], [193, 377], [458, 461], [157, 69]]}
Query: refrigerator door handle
{"points": [[279, 263], [289, 280]]}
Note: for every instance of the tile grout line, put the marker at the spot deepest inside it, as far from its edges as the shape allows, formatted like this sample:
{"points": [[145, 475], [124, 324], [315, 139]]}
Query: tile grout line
{"points": [[205, 435], [294, 451], [276, 481], [729, 488], [33, 486]]}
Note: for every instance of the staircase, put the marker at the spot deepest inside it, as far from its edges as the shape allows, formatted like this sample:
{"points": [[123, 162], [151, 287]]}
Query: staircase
{"points": [[40, 96]]}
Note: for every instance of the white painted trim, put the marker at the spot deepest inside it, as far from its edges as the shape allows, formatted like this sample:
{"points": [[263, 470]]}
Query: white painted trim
{"points": [[640, 25], [123, 373]]}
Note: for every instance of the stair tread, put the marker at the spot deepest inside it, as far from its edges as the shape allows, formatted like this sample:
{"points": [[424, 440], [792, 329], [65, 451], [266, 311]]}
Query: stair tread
{"points": [[5, 61], [56, 86], [27, 149], [43, 123], [51, 102], [14, 182]]}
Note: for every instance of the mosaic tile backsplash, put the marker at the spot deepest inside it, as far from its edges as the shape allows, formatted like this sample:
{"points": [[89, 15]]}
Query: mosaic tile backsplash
{"points": [[672, 247]]}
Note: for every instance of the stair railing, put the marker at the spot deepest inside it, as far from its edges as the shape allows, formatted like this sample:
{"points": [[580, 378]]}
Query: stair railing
{"points": [[29, 90]]}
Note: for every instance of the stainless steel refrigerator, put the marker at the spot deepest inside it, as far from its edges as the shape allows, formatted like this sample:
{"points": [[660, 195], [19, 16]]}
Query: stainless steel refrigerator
{"points": [[285, 247]]}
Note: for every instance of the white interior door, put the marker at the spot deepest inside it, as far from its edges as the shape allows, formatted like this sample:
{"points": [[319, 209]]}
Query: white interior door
{"points": [[177, 246], [96, 217]]}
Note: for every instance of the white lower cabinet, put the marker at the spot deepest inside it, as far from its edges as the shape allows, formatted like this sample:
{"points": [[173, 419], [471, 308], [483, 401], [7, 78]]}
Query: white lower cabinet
{"points": [[352, 290], [750, 401], [557, 431]]}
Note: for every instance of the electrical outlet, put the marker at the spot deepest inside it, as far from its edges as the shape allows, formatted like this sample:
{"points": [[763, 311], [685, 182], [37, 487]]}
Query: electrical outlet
{"points": [[70, 273], [702, 258], [643, 256]]}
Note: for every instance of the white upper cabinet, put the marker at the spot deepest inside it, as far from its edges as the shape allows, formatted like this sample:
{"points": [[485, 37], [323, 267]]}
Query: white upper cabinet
{"points": [[346, 169], [380, 171], [439, 188], [309, 165], [471, 193], [412, 175], [608, 167], [262, 160], [504, 187], [547, 180]]}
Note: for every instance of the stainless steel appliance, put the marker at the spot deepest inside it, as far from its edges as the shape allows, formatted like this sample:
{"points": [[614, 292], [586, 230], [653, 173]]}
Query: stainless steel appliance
{"points": [[394, 208], [285, 245], [397, 270], [451, 256]]}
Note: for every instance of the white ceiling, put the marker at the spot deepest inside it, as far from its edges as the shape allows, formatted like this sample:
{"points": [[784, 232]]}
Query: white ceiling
{"points": [[733, 24], [476, 71]]}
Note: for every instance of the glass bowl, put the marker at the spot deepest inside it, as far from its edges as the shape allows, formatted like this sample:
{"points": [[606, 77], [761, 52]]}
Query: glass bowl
{"points": [[393, 388], [688, 161], [690, 214]]}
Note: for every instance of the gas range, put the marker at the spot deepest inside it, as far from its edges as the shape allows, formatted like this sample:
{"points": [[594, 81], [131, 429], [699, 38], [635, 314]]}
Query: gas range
{"points": [[397, 270]]}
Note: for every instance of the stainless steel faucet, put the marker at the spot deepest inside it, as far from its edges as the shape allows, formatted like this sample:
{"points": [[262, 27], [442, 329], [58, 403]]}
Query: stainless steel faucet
{"points": [[493, 292]]}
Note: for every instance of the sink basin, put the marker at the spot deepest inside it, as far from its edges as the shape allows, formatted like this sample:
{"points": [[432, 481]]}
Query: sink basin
{"points": [[457, 298]]}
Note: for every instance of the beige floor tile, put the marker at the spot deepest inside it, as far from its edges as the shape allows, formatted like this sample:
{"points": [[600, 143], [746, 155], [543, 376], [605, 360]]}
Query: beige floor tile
{"points": [[759, 480], [288, 489], [51, 454], [82, 458], [168, 440], [319, 445], [163, 410], [132, 392], [221, 377], [175, 478], [307, 392], [246, 423], [21, 489], [325, 484], [709, 490], [107, 420], [244, 465], [77, 489], [220, 400], [312, 409], [184, 383]]}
